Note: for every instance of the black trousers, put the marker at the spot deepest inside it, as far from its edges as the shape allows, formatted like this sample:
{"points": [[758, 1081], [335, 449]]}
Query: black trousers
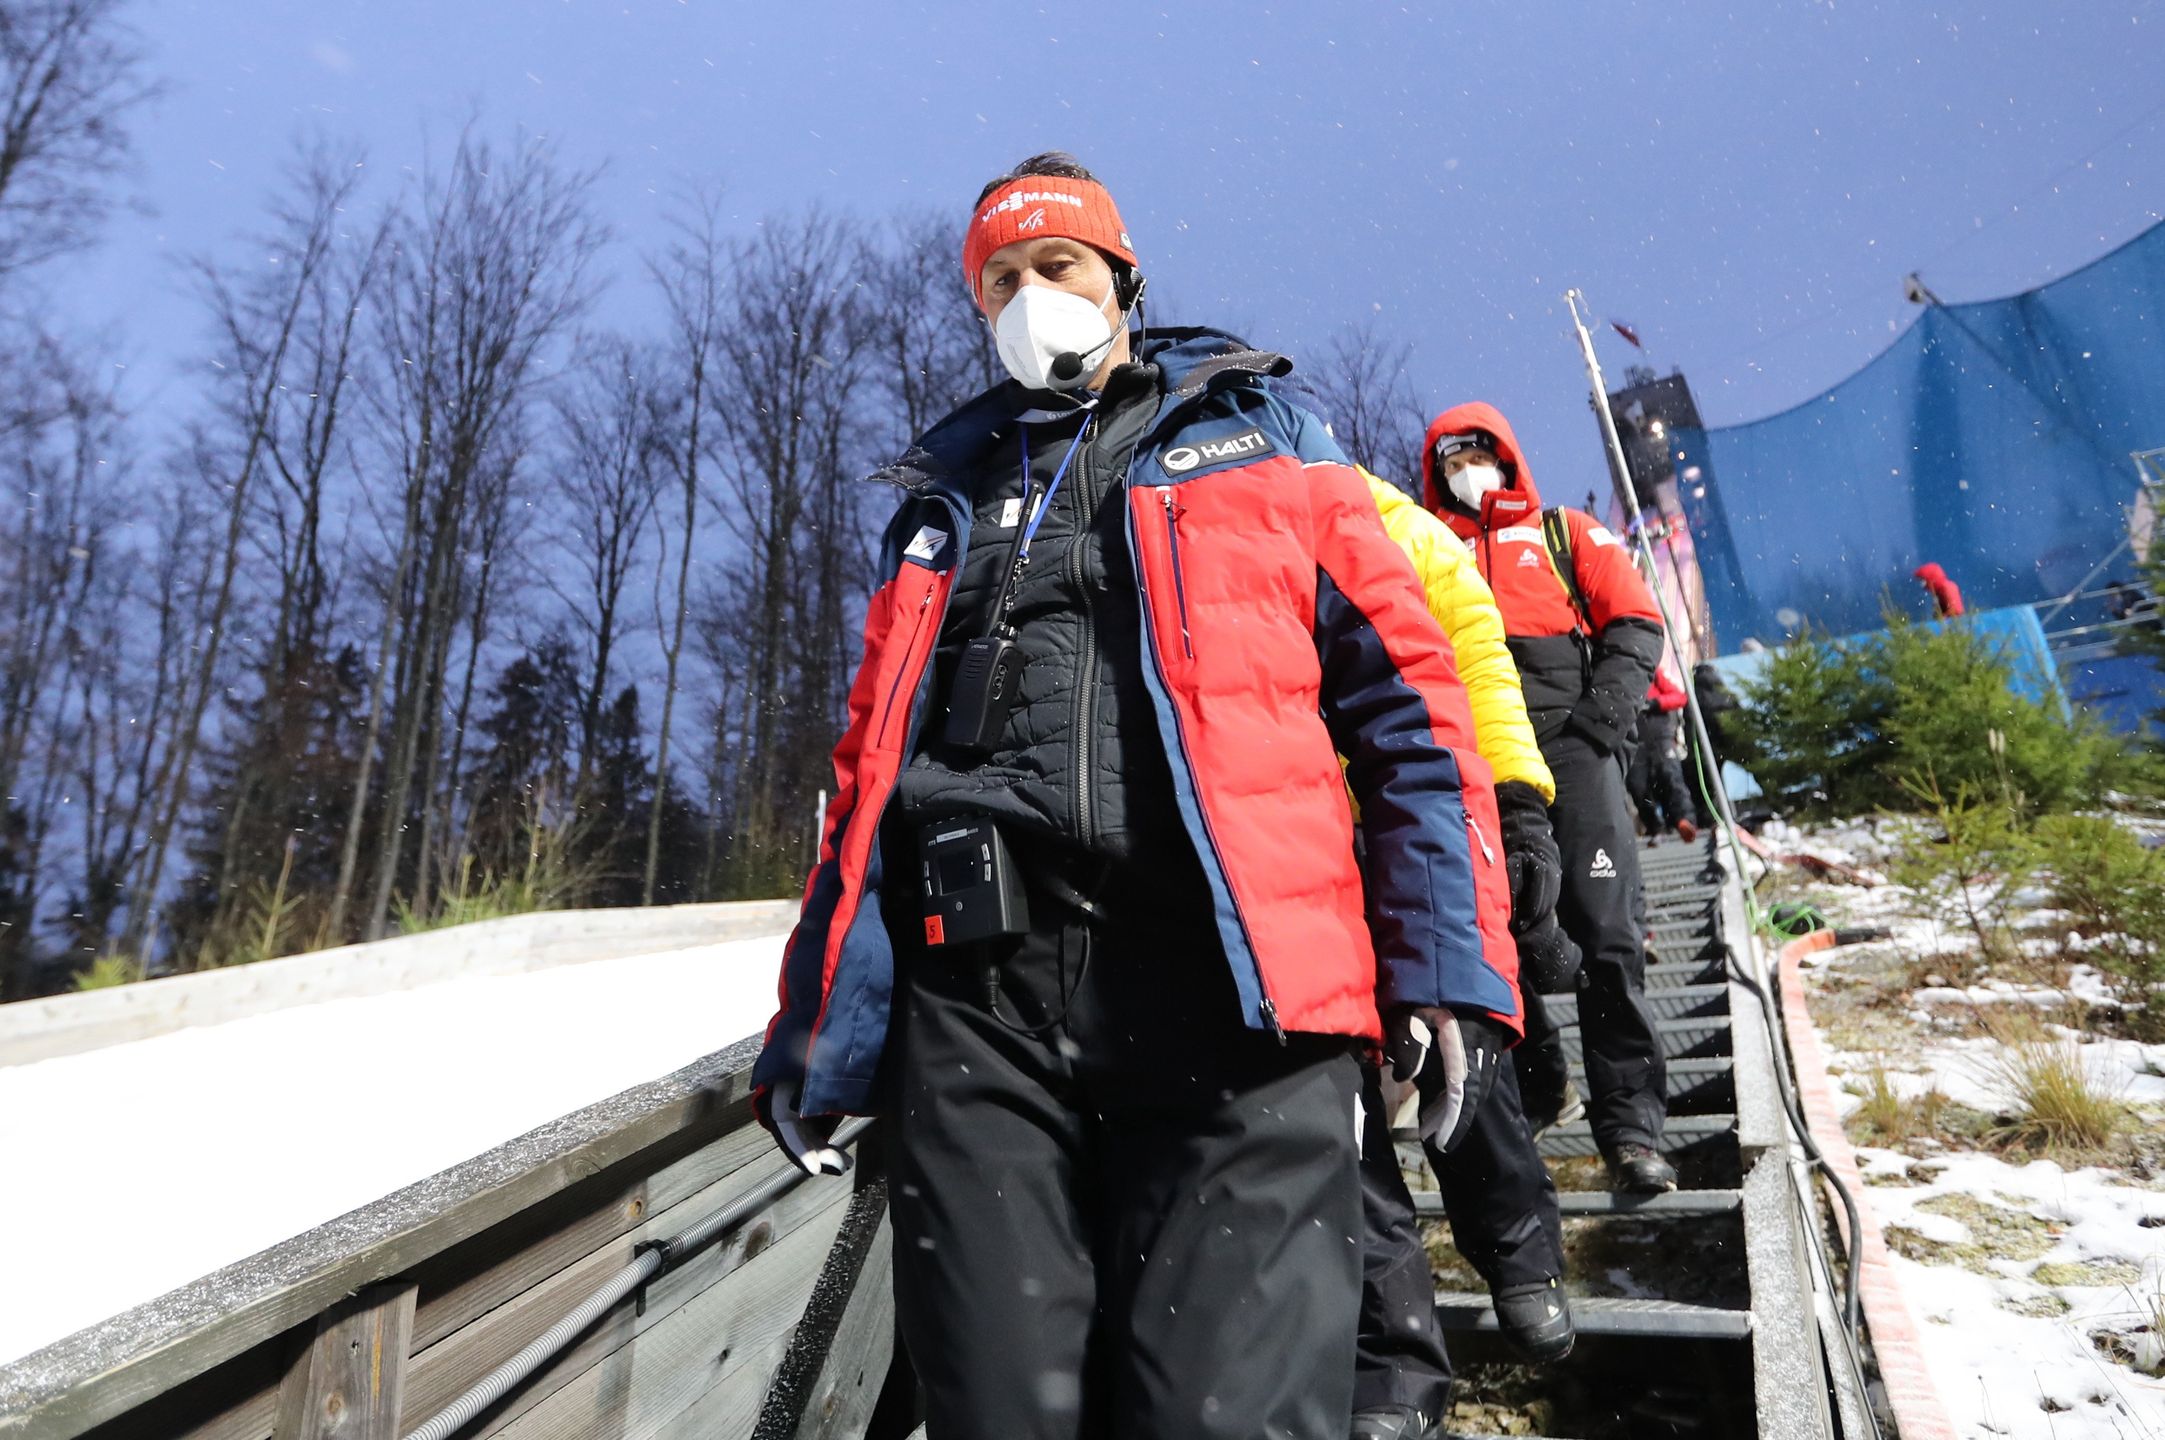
{"points": [[1502, 1205], [1599, 909], [1118, 1211], [1655, 777]]}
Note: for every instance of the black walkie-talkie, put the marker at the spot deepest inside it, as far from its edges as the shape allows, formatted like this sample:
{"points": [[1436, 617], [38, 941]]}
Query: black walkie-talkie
{"points": [[986, 682]]}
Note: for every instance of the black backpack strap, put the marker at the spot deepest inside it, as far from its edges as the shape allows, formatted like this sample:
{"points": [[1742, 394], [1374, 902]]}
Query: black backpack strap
{"points": [[1556, 534]]}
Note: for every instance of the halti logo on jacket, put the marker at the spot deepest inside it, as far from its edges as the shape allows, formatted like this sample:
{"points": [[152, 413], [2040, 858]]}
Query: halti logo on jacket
{"points": [[1604, 868], [1182, 458]]}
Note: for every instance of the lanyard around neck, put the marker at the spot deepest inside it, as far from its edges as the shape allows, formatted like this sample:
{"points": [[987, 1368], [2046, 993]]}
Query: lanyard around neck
{"points": [[1033, 516]]}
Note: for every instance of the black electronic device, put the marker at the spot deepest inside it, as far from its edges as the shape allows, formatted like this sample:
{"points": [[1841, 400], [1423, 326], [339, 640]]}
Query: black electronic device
{"points": [[987, 681], [971, 888]]}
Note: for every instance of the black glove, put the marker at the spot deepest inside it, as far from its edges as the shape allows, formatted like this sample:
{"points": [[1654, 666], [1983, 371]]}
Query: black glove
{"points": [[1601, 723], [1549, 961], [1451, 1057], [1530, 860]]}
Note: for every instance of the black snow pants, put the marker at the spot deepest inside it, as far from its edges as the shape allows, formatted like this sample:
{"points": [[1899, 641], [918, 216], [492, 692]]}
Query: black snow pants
{"points": [[1598, 909], [1656, 777], [1502, 1206], [1118, 1211]]}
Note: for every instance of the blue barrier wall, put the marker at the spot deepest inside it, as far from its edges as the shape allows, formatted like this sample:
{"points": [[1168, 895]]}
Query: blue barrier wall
{"points": [[1993, 438]]}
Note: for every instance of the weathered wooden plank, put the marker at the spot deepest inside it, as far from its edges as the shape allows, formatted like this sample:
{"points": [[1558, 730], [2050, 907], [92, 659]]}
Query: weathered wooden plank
{"points": [[731, 1407], [234, 1401], [838, 1336], [449, 1367], [638, 1387], [863, 1347], [105, 1371], [599, 1233], [463, 1284], [349, 1381]]}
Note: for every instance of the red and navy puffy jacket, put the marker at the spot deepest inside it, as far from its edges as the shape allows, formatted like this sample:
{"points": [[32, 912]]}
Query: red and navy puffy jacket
{"points": [[1282, 629], [1585, 671]]}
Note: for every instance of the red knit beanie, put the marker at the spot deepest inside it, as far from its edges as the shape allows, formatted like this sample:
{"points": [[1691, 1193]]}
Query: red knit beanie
{"points": [[1037, 206]]}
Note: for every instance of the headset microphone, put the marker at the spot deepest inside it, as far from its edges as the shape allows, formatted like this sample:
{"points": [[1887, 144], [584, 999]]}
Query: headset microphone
{"points": [[1067, 366]]}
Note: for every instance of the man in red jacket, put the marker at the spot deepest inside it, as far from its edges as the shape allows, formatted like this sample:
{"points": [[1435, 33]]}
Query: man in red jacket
{"points": [[1087, 926], [1653, 774], [1946, 595], [1586, 635]]}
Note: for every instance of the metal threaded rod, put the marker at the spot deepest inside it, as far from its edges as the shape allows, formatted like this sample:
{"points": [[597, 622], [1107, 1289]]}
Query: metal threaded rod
{"points": [[492, 1387]]}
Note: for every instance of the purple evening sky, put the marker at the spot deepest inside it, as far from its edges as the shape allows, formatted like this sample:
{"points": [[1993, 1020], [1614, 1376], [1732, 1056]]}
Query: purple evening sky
{"points": [[1745, 182]]}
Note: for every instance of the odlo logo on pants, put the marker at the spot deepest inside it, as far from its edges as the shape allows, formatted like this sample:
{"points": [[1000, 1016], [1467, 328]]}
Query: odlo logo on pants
{"points": [[1603, 867]]}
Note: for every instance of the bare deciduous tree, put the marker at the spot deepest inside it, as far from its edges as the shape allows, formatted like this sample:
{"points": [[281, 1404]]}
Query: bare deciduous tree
{"points": [[610, 478], [69, 82], [1359, 385], [492, 269], [258, 320], [688, 274], [786, 428]]}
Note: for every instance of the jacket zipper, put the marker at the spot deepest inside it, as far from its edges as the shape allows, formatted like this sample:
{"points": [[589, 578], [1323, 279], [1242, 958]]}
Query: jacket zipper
{"points": [[1086, 675], [917, 630], [1266, 1008], [1173, 509], [887, 712], [1473, 828]]}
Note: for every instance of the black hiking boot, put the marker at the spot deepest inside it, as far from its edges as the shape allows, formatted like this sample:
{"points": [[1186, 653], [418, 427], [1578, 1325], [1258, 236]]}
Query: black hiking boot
{"points": [[1639, 1169], [1536, 1319], [1395, 1422]]}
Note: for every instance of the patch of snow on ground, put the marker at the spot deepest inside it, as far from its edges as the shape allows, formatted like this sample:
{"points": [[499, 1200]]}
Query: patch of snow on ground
{"points": [[2000, 1372], [174, 1156], [1995, 1368]]}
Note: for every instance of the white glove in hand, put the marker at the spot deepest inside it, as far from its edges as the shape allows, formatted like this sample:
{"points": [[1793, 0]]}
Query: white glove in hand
{"points": [[804, 1138], [1451, 1061], [1424, 1047]]}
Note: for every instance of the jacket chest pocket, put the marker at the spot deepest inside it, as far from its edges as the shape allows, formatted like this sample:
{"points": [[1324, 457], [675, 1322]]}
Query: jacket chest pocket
{"points": [[1163, 561]]}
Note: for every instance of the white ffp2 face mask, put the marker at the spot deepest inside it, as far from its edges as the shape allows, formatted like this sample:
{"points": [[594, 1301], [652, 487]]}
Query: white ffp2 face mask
{"points": [[1041, 324], [1471, 483]]}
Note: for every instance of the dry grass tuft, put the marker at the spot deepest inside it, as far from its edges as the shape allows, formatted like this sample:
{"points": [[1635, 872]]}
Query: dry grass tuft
{"points": [[2058, 1102], [1888, 1119]]}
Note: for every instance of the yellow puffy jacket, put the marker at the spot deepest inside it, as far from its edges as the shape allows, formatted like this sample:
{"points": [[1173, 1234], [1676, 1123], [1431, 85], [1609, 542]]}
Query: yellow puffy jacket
{"points": [[1461, 602]]}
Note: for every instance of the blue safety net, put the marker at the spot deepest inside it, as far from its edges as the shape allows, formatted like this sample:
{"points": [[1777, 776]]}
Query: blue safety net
{"points": [[1993, 438]]}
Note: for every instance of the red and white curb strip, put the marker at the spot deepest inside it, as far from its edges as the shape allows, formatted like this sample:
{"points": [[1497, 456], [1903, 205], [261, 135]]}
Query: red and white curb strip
{"points": [[1896, 1344]]}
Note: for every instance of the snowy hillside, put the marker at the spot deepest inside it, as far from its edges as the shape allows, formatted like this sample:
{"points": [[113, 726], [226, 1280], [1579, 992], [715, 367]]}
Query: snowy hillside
{"points": [[184, 1152]]}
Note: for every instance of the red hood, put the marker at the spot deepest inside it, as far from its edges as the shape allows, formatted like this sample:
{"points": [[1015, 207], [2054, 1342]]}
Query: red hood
{"points": [[1511, 505], [1929, 572]]}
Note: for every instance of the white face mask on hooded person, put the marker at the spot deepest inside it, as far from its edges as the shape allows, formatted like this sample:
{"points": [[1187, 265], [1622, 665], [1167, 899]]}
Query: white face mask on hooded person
{"points": [[1041, 324], [1474, 481]]}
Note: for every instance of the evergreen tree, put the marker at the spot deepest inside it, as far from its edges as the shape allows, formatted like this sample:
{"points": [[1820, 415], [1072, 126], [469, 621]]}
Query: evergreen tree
{"points": [[523, 782], [265, 849]]}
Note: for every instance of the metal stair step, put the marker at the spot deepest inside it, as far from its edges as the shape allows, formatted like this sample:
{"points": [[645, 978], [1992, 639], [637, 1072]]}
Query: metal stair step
{"points": [[1668, 974], [1577, 1138], [1670, 1002], [1681, 1076], [1677, 1036], [1606, 1204], [1662, 974], [1605, 1316]]}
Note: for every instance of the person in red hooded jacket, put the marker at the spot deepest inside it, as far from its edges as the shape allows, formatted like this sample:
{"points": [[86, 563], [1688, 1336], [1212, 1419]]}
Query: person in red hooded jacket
{"points": [[1587, 637], [1653, 774], [1946, 595]]}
